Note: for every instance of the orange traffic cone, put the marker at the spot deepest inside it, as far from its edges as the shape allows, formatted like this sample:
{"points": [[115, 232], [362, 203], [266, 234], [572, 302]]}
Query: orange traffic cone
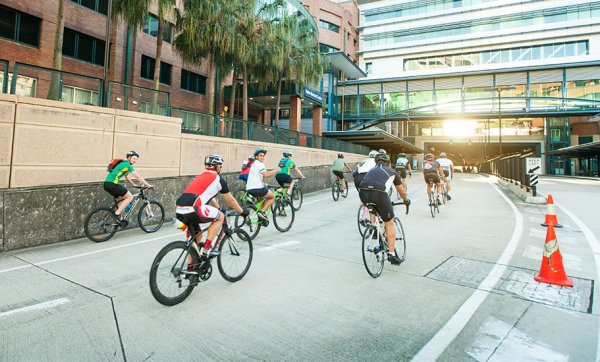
{"points": [[552, 270], [551, 218]]}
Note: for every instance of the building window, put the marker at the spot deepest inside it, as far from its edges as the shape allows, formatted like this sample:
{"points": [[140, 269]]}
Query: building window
{"points": [[369, 68], [100, 6], [79, 95], [585, 139], [329, 26], [151, 28], [19, 27], [147, 70], [324, 48], [83, 47], [193, 82], [26, 86], [146, 107]]}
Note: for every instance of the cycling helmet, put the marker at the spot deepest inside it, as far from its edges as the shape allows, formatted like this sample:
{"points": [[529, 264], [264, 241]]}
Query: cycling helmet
{"points": [[402, 154], [429, 156], [213, 160], [382, 151], [373, 153], [251, 158], [340, 155], [382, 158], [443, 155], [287, 153], [131, 154], [259, 150]]}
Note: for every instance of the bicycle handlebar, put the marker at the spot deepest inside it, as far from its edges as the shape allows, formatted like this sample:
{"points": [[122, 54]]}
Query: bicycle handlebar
{"points": [[396, 203], [143, 187]]}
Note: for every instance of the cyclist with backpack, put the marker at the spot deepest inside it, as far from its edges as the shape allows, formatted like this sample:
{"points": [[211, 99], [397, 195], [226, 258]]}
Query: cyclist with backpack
{"points": [[402, 166], [246, 168], [255, 185], [123, 168], [284, 175]]}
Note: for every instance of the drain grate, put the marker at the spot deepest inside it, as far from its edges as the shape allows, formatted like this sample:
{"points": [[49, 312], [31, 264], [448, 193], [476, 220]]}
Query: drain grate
{"points": [[517, 282]]}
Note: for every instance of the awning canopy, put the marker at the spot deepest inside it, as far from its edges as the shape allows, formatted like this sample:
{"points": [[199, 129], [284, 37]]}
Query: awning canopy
{"points": [[340, 61], [591, 149], [375, 138]]}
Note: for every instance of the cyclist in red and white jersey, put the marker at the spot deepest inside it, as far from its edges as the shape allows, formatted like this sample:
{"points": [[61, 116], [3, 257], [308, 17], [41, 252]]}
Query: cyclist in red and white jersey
{"points": [[198, 205], [448, 168], [432, 171]]}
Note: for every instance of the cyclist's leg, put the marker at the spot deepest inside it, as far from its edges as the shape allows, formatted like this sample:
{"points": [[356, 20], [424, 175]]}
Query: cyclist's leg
{"points": [[428, 187], [269, 198], [117, 191], [208, 213]]}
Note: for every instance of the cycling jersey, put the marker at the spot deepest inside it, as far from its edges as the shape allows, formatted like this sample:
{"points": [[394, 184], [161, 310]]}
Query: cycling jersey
{"points": [[380, 178], [365, 166], [430, 167], [401, 163], [446, 163], [201, 190], [338, 165], [120, 170], [286, 165]]}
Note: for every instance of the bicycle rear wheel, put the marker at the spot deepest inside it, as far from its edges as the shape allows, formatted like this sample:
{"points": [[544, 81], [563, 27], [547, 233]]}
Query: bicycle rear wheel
{"points": [[345, 192], [283, 215], [151, 216], [235, 255], [363, 219], [444, 194], [297, 198], [400, 239], [335, 190], [100, 225], [432, 203], [169, 282], [250, 224], [373, 252]]}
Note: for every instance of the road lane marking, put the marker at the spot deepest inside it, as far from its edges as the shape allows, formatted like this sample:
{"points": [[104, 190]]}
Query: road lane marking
{"points": [[88, 253], [280, 245], [313, 201], [499, 341], [442, 339], [40, 306]]}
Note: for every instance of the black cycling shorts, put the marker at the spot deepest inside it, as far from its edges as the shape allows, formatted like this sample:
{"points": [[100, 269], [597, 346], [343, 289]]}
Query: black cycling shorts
{"points": [[283, 179], [259, 192], [383, 204], [401, 172], [358, 179], [429, 177], [446, 173], [114, 189], [339, 174]]}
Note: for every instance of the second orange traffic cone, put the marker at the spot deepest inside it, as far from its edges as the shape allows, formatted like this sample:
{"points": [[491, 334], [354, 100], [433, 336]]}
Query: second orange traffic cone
{"points": [[552, 270], [551, 218]]}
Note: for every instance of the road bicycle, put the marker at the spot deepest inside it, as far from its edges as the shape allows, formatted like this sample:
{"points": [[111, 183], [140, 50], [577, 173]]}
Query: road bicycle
{"points": [[100, 224], [179, 266], [282, 210], [375, 246], [444, 193], [336, 189], [363, 218], [433, 199]]}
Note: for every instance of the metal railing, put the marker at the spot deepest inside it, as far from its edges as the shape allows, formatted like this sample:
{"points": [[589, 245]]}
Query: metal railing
{"points": [[209, 125], [3, 76], [39, 82], [138, 99], [511, 168]]}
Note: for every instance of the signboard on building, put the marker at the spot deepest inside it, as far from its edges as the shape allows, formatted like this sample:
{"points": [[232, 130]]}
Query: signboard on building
{"points": [[533, 165], [313, 95]]}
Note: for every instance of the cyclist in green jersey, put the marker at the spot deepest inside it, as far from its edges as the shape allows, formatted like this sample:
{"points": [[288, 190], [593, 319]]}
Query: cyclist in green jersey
{"points": [[284, 175], [112, 186], [338, 167]]}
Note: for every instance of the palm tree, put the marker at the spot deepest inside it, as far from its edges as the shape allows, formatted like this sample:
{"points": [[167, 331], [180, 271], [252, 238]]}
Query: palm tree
{"points": [[166, 8], [54, 91]]}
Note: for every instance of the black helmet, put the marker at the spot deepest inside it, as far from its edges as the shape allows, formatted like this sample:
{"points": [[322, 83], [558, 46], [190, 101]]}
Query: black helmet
{"points": [[382, 158], [259, 150], [131, 154], [340, 155], [213, 160], [402, 154]]}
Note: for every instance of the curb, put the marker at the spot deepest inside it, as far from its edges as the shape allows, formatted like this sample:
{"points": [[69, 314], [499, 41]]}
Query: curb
{"points": [[522, 194]]}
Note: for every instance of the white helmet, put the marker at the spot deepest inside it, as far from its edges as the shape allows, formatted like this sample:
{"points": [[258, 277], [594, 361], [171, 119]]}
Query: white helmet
{"points": [[373, 153]]}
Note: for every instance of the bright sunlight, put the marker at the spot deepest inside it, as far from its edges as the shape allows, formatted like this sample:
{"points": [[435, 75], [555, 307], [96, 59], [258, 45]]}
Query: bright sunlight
{"points": [[459, 128]]}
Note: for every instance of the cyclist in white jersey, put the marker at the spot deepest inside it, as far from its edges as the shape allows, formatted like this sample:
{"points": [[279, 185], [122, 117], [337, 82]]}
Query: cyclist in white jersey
{"points": [[363, 167], [448, 168]]}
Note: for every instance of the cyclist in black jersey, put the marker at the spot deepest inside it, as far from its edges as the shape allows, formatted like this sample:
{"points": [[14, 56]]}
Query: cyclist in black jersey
{"points": [[373, 189]]}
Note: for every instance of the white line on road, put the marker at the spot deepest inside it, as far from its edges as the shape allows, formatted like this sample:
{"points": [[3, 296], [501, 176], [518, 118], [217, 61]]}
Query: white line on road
{"points": [[313, 201], [88, 253], [442, 339], [280, 245], [45, 305]]}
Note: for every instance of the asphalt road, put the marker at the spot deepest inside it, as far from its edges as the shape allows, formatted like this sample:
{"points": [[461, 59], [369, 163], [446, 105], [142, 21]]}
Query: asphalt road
{"points": [[465, 293]]}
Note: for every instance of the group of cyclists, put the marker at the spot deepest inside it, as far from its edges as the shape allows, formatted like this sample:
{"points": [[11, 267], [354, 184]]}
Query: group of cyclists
{"points": [[197, 204]]}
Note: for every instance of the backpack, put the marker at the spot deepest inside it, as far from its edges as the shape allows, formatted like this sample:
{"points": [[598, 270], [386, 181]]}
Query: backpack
{"points": [[111, 166], [245, 170], [247, 165], [282, 162]]}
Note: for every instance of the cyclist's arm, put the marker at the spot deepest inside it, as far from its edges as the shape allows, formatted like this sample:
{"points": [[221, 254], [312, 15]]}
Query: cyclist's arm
{"points": [[138, 177], [299, 172], [451, 169], [270, 173], [399, 187], [232, 202], [348, 167], [213, 202], [441, 172]]}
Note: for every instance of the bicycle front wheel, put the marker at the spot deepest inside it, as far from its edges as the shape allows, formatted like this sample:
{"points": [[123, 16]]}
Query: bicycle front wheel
{"points": [[151, 216], [373, 252], [100, 225], [335, 191], [169, 282], [283, 215], [400, 240], [297, 198], [363, 219], [432, 203], [250, 223], [235, 255]]}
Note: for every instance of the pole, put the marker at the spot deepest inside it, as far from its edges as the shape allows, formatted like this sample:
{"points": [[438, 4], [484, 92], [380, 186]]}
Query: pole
{"points": [[107, 52], [499, 122]]}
